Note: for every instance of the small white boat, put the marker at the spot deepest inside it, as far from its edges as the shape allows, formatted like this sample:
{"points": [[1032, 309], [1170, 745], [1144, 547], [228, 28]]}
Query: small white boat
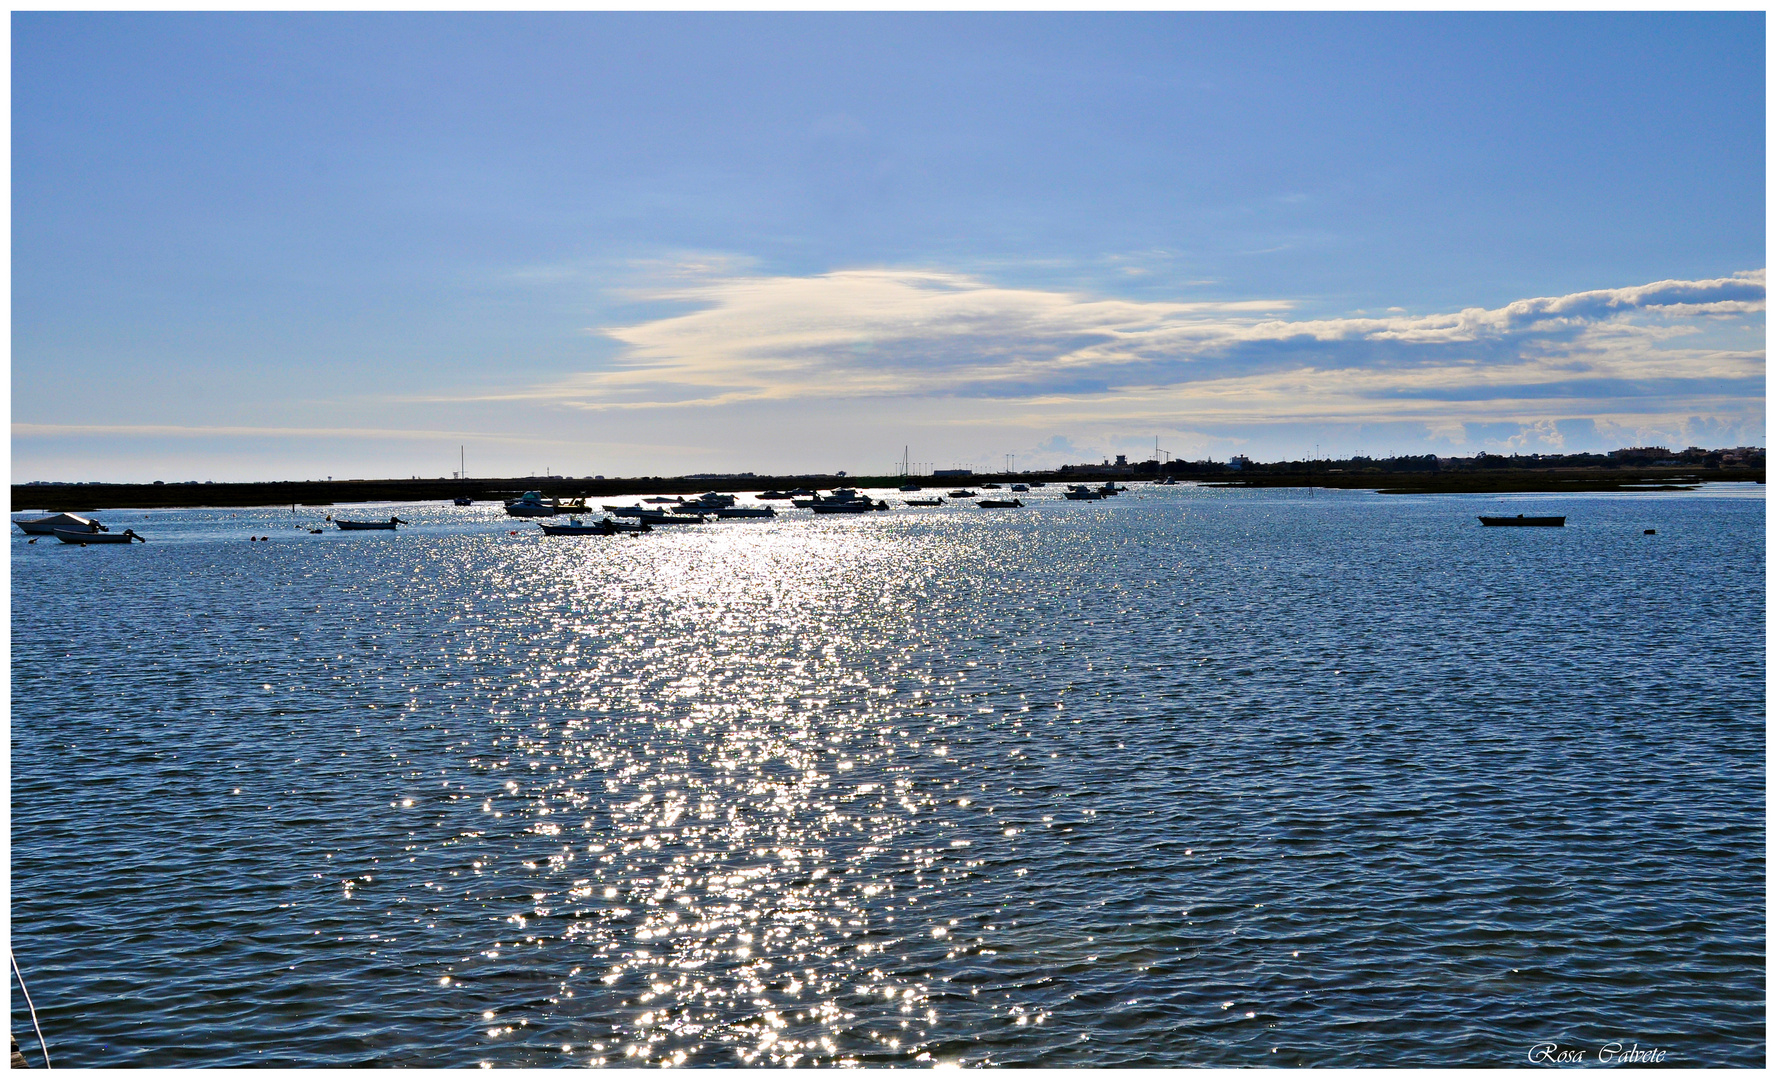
{"points": [[75, 536], [46, 526]]}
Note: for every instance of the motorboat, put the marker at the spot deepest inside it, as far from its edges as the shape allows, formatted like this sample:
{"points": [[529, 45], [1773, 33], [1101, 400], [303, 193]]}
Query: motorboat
{"points": [[533, 504], [352, 526], [1548, 522], [602, 527], [46, 526], [924, 502], [860, 506], [998, 504], [1080, 493], [661, 517], [709, 500], [1020, 487], [462, 500], [986, 487], [77, 536], [774, 494], [727, 512], [962, 493], [911, 487]]}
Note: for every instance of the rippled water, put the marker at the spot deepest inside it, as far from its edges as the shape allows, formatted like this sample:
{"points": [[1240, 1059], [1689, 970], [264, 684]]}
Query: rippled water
{"points": [[1189, 776]]}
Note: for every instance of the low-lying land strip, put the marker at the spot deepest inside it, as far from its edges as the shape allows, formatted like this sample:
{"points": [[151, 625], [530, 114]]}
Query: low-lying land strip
{"points": [[92, 497]]}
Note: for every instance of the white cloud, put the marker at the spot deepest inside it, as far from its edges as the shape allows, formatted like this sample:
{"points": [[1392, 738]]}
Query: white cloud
{"points": [[1048, 356]]}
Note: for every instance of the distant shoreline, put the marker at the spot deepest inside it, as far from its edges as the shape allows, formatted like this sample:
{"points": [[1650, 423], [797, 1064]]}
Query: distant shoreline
{"points": [[93, 497]]}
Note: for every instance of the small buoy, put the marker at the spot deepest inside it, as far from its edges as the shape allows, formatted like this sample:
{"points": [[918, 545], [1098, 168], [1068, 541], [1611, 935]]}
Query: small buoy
{"points": [[33, 540], [1647, 532], [514, 532]]}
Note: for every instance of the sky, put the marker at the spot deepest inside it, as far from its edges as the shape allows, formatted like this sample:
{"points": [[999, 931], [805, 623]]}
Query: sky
{"points": [[277, 246]]}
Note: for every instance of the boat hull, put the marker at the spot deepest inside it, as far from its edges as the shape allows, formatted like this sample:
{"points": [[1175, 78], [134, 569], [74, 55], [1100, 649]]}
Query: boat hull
{"points": [[47, 526], [75, 536], [1542, 522], [362, 526]]}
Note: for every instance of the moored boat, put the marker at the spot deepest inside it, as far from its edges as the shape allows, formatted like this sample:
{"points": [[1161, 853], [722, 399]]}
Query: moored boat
{"points": [[76, 536], [726, 512], [603, 527], [924, 502], [997, 504], [1081, 493], [962, 493], [1549, 522], [46, 526], [353, 526]]}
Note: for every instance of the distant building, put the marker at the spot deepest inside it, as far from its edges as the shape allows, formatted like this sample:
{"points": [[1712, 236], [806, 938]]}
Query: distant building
{"points": [[1239, 461]]}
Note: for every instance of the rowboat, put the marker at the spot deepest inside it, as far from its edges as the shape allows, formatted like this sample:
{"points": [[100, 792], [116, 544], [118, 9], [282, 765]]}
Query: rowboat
{"points": [[351, 526], [46, 526], [74, 536], [1552, 522]]}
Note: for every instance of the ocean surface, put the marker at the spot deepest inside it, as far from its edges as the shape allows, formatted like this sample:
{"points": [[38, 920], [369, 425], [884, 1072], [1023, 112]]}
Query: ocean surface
{"points": [[1189, 776]]}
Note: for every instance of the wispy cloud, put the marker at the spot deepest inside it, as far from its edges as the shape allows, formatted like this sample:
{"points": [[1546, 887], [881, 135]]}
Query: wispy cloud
{"points": [[901, 333]]}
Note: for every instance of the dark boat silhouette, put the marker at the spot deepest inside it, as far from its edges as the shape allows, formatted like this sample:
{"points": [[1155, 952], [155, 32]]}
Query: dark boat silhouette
{"points": [[1555, 522]]}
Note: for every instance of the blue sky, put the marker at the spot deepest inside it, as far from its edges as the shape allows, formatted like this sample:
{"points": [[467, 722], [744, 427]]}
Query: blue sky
{"points": [[277, 246]]}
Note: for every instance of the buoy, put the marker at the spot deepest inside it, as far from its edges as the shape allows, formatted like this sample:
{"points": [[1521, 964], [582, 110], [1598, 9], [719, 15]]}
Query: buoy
{"points": [[1647, 532], [33, 540], [514, 532]]}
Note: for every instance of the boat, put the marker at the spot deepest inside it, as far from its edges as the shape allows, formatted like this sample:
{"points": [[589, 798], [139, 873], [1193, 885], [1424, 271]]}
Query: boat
{"points": [[962, 493], [602, 527], [986, 487], [924, 502], [1166, 481], [1020, 487], [858, 506], [77, 536], [911, 487], [774, 494], [1080, 492], [46, 526], [998, 504], [661, 517], [1039, 483], [389, 525], [463, 500], [533, 504], [709, 500], [1552, 522], [726, 512]]}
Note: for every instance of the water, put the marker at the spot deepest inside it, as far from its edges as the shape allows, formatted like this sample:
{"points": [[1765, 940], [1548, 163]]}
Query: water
{"points": [[1189, 776]]}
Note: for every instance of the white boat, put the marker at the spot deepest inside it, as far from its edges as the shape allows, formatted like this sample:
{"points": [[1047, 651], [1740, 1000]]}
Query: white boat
{"points": [[45, 526], [76, 536], [1080, 492], [533, 504]]}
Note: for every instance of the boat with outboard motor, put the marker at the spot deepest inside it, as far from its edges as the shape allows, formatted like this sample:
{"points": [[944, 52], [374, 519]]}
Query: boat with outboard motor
{"points": [[1081, 493], [602, 527], [76, 536], [355, 526]]}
